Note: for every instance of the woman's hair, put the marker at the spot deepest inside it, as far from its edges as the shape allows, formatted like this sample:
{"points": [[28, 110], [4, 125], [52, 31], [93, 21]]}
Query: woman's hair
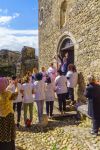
{"points": [[71, 67], [20, 81], [39, 76], [26, 79], [43, 68], [48, 80], [28, 73], [60, 72], [51, 64], [14, 77], [35, 70]]}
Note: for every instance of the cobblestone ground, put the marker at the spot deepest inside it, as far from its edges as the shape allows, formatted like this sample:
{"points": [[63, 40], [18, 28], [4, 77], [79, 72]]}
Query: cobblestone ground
{"points": [[66, 134]]}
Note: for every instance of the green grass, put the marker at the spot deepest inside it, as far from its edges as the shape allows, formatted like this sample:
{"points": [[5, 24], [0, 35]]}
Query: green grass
{"points": [[54, 147]]}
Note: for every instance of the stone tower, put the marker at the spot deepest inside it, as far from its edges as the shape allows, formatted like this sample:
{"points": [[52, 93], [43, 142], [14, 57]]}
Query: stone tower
{"points": [[71, 26]]}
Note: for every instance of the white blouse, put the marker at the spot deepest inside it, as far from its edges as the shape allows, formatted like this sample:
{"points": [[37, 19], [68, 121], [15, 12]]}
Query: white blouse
{"points": [[61, 84], [50, 91], [39, 89]]}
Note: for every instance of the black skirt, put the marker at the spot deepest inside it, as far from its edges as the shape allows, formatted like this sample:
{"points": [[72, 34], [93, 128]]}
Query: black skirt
{"points": [[7, 132]]}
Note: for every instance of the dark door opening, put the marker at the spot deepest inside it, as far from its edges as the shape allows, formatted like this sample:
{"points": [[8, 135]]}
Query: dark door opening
{"points": [[67, 47]]}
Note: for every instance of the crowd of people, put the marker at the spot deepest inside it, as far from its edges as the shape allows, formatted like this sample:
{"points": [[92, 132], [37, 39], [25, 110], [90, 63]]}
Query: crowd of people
{"points": [[41, 87]]}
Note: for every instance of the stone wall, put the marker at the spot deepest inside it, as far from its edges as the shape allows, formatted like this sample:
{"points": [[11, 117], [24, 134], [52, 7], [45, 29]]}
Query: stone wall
{"points": [[17, 63], [8, 57], [82, 26], [28, 60], [8, 60]]}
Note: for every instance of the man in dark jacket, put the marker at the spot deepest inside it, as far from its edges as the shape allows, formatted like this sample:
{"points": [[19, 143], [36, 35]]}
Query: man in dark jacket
{"points": [[92, 92]]}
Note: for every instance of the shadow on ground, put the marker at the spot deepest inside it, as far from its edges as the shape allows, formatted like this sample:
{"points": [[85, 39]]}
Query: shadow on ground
{"points": [[52, 124]]}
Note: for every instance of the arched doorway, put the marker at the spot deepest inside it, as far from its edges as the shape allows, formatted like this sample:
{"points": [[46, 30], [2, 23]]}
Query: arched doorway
{"points": [[66, 46]]}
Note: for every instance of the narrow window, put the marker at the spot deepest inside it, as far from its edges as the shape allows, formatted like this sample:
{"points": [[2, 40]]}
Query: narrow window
{"points": [[63, 13], [41, 16]]}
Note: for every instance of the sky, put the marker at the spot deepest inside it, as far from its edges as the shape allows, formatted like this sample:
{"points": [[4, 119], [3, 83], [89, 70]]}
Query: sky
{"points": [[18, 24]]}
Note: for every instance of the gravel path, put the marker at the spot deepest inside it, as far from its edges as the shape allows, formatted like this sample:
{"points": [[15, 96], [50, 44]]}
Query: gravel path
{"points": [[65, 133]]}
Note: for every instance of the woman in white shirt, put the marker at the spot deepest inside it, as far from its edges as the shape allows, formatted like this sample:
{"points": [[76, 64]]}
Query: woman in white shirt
{"points": [[52, 72], [50, 96], [72, 79], [28, 99], [39, 91], [17, 104], [61, 90]]}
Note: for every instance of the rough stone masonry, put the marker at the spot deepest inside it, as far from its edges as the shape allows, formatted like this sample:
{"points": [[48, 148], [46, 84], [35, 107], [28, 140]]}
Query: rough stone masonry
{"points": [[78, 20]]}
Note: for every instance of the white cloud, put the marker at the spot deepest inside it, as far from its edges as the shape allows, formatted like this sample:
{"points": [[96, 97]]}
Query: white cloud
{"points": [[15, 15], [16, 39], [7, 19]]}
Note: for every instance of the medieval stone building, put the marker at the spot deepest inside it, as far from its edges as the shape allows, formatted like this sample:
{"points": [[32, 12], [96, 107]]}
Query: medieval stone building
{"points": [[71, 26], [8, 60], [17, 63], [28, 59]]}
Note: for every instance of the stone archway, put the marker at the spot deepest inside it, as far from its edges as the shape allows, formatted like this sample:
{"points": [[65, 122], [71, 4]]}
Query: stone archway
{"points": [[67, 43], [67, 47]]}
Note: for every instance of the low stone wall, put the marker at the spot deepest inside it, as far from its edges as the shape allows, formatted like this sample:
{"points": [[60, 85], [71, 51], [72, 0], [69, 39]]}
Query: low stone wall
{"points": [[83, 114]]}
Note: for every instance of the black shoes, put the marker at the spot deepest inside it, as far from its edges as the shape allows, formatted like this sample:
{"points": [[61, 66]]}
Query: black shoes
{"points": [[94, 133]]}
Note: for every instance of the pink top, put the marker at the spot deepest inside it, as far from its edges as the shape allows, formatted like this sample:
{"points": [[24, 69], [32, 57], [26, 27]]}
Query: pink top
{"points": [[52, 72], [44, 75]]}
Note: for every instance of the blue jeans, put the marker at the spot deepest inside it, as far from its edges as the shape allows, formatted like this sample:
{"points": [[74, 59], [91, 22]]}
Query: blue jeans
{"points": [[40, 104]]}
